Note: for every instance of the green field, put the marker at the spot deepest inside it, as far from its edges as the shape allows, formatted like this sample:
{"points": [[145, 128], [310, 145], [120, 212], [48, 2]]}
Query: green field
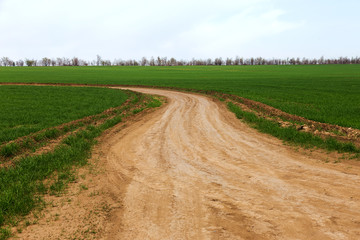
{"points": [[325, 93], [28, 109]]}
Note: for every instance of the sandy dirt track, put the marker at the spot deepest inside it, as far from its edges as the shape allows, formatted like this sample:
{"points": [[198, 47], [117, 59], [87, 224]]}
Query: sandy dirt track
{"points": [[191, 170]]}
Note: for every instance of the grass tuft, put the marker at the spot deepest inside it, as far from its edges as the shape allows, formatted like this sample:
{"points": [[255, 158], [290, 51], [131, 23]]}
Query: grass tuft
{"points": [[154, 103], [5, 233], [9, 149]]}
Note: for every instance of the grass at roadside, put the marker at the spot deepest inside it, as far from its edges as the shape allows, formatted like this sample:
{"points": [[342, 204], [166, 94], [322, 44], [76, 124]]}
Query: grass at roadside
{"points": [[28, 109], [291, 134], [22, 185], [325, 93]]}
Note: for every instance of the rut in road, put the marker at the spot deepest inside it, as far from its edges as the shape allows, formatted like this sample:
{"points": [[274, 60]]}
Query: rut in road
{"points": [[193, 171]]}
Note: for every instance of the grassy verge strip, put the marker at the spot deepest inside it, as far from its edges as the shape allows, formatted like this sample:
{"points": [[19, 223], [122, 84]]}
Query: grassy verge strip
{"points": [[290, 134]]}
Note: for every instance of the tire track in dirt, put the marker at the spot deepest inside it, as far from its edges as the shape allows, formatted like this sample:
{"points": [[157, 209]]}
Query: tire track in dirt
{"points": [[193, 171]]}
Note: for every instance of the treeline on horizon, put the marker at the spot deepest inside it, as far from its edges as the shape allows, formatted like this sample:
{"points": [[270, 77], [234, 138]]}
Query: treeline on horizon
{"points": [[164, 61]]}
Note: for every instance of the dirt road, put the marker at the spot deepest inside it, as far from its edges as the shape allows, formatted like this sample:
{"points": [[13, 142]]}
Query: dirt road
{"points": [[191, 170]]}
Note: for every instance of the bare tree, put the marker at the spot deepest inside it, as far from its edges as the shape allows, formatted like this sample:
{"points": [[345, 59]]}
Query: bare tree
{"points": [[158, 61], [152, 61], [98, 60], [144, 61], [218, 61], [241, 61], [59, 62], [6, 62], [229, 62], [237, 61], [252, 61], [66, 61], [45, 62], [75, 61], [164, 61], [172, 62], [259, 61], [20, 63]]}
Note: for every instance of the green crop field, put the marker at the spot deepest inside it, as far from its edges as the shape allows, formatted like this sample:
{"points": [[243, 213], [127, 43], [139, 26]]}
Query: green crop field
{"points": [[27, 109], [325, 93]]}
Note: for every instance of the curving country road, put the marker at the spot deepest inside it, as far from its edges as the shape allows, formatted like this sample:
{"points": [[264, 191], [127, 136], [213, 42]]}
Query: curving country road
{"points": [[191, 170]]}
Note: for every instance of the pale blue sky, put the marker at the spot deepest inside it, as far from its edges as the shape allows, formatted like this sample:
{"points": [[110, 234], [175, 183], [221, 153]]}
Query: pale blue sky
{"points": [[181, 29]]}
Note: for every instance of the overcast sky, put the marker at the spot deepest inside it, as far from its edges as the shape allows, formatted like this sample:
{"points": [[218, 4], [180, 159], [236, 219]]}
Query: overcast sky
{"points": [[119, 29]]}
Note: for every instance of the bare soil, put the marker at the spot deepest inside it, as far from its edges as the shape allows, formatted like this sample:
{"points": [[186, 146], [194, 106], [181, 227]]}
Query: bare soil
{"points": [[191, 170]]}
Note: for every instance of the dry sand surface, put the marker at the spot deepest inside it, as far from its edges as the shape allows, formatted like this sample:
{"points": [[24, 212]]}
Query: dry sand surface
{"points": [[191, 170]]}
